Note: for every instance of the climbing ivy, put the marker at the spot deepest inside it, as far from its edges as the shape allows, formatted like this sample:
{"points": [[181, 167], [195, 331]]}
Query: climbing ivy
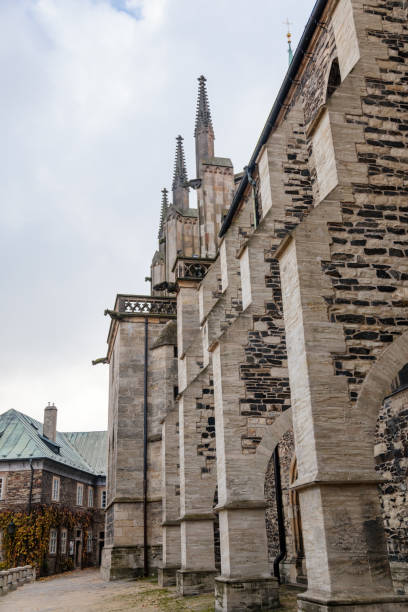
{"points": [[30, 544]]}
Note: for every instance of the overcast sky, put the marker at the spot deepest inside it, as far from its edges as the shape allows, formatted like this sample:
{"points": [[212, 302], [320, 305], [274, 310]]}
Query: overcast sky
{"points": [[92, 95]]}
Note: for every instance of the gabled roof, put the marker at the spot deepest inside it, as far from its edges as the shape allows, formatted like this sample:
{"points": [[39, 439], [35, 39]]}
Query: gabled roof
{"points": [[21, 437]]}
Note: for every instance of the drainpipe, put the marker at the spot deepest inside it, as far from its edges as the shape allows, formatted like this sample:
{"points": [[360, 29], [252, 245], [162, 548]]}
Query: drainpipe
{"points": [[279, 511], [145, 548], [30, 495]]}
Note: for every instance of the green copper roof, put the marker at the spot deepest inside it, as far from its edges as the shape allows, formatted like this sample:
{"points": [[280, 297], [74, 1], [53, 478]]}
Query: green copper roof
{"points": [[21, 437], [92, 446]]}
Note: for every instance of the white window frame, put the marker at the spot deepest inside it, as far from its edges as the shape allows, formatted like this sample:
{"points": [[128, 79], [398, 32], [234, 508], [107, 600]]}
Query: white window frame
{"points": [[55, 491], [2, 483], [103, 498], [90, 497], [80, 494], [64, 539], [89, 542], [53, 541]]}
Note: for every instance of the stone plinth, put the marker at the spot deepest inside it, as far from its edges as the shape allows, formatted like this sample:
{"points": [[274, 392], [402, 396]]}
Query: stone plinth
{"points": [[194, 582], [248, 594], [166, 576], [126, 562], [309, 603]]}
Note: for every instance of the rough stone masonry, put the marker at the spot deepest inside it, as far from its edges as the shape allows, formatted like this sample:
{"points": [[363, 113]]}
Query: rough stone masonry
{"points": [[258, 396]]}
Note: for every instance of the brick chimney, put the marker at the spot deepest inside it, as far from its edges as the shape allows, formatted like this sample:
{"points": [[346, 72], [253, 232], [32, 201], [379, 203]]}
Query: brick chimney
{"points": [[50, 422]]}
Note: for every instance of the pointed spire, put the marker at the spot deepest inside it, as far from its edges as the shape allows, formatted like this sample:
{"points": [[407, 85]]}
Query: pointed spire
{"points": [[289, 37], [163, 212], [203, 115], [180, 191], [180, 172], [204, 132]]}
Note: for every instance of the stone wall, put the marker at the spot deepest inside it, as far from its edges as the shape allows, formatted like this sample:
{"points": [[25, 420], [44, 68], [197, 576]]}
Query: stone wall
{"points": [[16, 486], [391, 456]]}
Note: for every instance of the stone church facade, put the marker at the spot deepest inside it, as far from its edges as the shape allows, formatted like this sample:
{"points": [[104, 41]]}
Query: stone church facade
{"points": [[258, 397]]}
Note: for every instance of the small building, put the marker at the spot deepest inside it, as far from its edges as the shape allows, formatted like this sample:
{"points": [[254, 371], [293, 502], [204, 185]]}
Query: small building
{"points": [[58, 475]]}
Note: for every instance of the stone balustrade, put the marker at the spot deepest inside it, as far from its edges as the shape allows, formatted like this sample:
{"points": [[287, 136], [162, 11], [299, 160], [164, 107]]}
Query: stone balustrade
{"points": [[12, 578]]}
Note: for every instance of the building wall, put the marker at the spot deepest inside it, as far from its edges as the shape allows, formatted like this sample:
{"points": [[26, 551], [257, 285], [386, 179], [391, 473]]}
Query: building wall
{"points": [[330, 186], [16, 488], [123, 553], [15, 496], [391, 457]]}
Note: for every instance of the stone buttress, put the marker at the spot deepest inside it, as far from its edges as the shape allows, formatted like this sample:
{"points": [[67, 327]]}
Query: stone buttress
{"points": [[139, 381]]}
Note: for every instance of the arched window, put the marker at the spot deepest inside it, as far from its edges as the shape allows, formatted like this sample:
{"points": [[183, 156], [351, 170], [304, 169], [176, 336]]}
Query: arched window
{"points": [[334, 78]]}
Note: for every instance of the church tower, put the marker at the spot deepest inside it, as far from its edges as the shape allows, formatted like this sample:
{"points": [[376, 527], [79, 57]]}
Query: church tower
{"points": [[215, 177]]}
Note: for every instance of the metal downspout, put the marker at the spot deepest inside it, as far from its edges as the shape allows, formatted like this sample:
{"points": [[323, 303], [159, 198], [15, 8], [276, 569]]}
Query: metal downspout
{"points": [[279, 511], [146, 356], [30, 495]]}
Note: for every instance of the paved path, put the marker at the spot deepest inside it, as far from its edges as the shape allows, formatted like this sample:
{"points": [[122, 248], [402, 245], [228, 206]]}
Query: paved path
{"points": [[85, 591]]}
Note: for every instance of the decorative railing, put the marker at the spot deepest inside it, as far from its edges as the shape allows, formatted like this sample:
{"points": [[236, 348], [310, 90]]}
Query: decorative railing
{"points": [[12, 578], [192, 268], [147, 305]]}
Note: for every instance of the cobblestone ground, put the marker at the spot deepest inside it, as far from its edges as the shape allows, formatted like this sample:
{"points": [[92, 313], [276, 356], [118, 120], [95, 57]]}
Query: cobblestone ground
{"points": [[84, 591]]}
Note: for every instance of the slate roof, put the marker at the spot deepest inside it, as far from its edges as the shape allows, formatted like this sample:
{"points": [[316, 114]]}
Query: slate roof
{"points": [[21, 437]]}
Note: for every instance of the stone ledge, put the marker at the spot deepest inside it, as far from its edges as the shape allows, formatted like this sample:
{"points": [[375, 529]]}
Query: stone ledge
{"points": [[167, 575], [317, 603], [209, 516], [242, 504], [346, 478], [248, 579], [246, 594], [194, 582]]}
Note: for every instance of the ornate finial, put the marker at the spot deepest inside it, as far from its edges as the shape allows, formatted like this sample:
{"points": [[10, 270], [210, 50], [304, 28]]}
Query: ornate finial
{"points": [[180, 172], [163, 212], [289, 37], [203, 116]]}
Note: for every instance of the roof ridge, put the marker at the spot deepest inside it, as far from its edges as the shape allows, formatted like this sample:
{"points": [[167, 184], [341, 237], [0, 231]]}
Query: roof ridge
{"points": [[35, 435]]}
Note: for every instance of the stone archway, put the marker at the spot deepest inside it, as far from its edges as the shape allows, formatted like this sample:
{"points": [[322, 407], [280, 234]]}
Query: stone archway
{"points": [[377, 384], [270, 439], [385, 398]]}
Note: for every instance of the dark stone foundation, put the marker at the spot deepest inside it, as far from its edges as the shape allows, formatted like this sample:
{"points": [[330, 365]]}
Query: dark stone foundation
{"points": [[166, 576], [376, 604], [195, 582], [246, 595]]}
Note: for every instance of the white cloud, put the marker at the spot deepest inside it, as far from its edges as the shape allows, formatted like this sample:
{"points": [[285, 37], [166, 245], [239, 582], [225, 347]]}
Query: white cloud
{"points": [[93, 94]]}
